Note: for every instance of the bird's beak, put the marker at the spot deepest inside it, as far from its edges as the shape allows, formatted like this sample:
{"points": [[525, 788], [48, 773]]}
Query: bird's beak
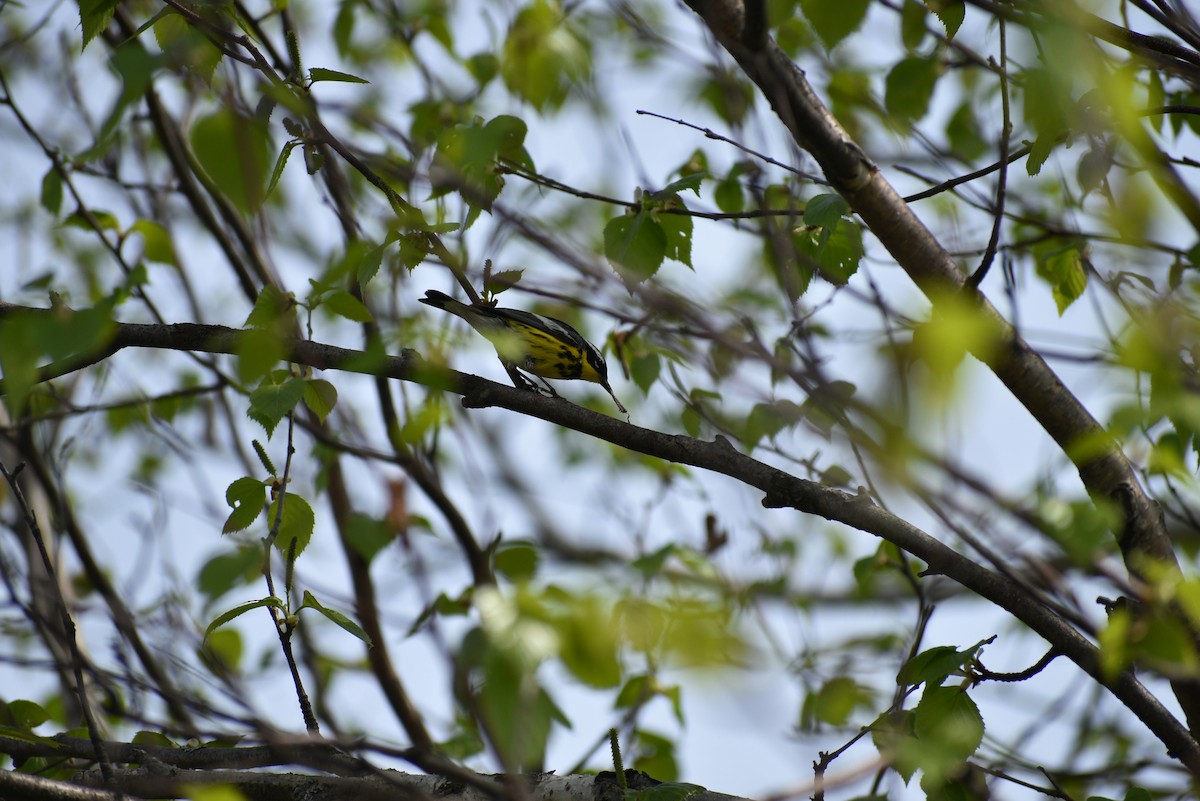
{"points": [[614, 397]]}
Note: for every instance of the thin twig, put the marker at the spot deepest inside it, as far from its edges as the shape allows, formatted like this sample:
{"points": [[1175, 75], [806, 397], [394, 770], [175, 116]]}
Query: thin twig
{"points": [[760, 156], [1001, 180]]}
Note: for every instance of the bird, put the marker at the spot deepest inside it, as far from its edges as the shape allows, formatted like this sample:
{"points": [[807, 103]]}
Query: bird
{"points": [[540, 345]]}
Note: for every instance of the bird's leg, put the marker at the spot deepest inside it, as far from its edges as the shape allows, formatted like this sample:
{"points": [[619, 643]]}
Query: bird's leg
{"points": [[520, 381], [553, 394]]}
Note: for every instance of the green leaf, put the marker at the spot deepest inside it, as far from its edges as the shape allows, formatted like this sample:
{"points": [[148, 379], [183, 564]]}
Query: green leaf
{"points": [[909, 87], [1063, 270], [655, 755], [471, 152], [954, 329], [94, 16], [1168, 457], [185, 45], [637, 242], [483, 67], [1039, 152], [836, 476], [80, 332], [636, 690], [516, 711], [825, 211], [343, 304], [1115, 652], [1082, 528], [588, 646], [793, 35], [155, 738], [699, 632], [246, 497], [1161, 639], [652, 564], [123, 417], [641, 624], [320, 397], [934, 665], [271, 402], [296, 526], [28, 337], [516, 560], [19, 360], [368, 535], [317, 74], [698, 563], [258, 351], [234, 152], [310, 602], [892, 735], [950, 12], [1093, 167], [1047, 97], [728, 94], [769, 419], [1156, 97], [238, 611], [678, 231], [222, 650], [503, 280], [52, 191], [691, 181], [674, 694], [962, 129], [729, 195], [280, 162], [136, 68], [273, 310], [912, 24], [158, 245], [837, 250], [834, 20], [834, 703], [102, 220], [25, 715], [948, 724], [230, 569], [542, 56], [645, 369], [442, 606], [464, 742]]}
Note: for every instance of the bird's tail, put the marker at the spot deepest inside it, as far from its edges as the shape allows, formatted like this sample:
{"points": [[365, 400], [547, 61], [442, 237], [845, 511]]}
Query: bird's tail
{"points": [[439, 300], [479, 317]]}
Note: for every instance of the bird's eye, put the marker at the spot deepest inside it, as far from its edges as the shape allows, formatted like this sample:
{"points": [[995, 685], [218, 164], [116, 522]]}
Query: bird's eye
{"points": [[597, 362]]}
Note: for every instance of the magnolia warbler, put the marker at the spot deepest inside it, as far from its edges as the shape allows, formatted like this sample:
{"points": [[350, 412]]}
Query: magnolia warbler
{"points": [[543, 346]]}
